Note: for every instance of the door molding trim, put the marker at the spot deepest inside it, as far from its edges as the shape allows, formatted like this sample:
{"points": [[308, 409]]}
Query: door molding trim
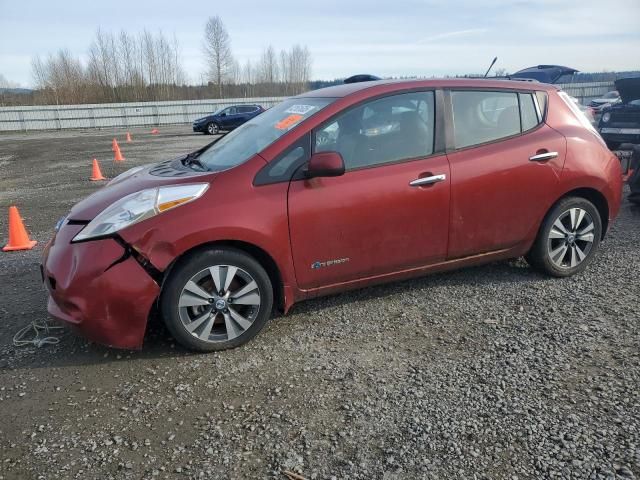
{"points": [[502, 254]]}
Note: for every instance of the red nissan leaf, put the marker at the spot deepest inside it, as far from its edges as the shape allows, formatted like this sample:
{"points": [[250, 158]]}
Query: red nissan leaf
{"points": [[335, 189]]}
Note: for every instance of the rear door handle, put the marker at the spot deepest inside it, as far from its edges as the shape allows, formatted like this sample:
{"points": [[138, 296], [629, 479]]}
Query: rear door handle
{"points": [[543, 157], [420, 182]]}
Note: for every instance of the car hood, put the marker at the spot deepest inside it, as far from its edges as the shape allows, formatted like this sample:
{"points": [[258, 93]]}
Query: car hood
{"points": [[544, 73], [148, 177], [628, 88], [604, 100]]}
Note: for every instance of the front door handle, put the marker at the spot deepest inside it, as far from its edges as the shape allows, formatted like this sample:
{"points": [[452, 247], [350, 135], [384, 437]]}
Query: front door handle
{"points": [[543, 157], [420, 182]]}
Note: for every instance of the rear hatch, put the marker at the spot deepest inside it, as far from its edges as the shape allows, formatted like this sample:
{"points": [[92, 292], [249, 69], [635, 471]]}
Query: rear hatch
{"points": [[627, 113], [545, 73]]}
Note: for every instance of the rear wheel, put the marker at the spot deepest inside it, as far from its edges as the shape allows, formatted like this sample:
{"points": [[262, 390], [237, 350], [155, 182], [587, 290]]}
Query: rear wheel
{"points": [[216, 299], [213, 129], [568, 238]]}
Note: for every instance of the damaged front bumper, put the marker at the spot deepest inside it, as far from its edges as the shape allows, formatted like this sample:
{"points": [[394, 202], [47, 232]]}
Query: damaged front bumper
{"points": [[101, 288]]}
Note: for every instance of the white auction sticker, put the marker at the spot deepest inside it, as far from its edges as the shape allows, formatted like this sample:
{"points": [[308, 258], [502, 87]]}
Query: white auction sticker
{"points": [[300, 109]]}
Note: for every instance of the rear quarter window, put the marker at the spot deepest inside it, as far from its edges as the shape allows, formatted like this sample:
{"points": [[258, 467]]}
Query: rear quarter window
{"points": [[528, 112]]}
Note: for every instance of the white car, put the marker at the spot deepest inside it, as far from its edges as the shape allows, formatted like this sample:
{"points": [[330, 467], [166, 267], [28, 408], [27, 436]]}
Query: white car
{"points": [[609, 98]]}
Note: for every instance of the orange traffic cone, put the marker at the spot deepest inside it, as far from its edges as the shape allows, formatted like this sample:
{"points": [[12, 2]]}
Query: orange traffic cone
{"points": [[118, 155], [114, 145], [128, 137], [154, 131], [18, 236], [96, 174]]}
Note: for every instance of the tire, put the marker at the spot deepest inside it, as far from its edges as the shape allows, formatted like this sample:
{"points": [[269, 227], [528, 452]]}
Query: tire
{"points": [[212, 129], [199, 317], [548, 254]]}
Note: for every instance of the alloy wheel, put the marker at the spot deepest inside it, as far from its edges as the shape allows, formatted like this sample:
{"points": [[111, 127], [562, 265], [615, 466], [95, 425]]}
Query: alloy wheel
{"points": [[571, 238], [212, 128], [219, 303]]}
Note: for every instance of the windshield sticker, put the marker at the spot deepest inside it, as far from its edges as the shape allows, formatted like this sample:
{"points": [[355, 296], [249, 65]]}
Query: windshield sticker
{"points": [[300, 109], [288, 122]]}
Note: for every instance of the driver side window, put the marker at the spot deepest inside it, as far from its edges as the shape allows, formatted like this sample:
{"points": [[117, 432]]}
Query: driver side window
{"points": [[389, 129]]}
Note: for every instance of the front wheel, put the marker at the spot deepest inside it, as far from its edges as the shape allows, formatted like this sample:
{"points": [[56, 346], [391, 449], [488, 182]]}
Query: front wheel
{"points": [[216, 299], [568, 238]]}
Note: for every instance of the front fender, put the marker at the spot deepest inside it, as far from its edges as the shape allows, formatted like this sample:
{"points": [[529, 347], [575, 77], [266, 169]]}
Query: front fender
{"points": [[231, 210]]}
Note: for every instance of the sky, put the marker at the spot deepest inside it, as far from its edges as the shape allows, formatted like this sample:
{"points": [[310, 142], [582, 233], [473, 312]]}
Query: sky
{"points": [[397, 38]]}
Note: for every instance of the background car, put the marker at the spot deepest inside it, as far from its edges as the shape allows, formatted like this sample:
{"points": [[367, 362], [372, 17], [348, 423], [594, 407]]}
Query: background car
{"points": [[226, 118], [545, 74], [609, 98], [620, 123]]}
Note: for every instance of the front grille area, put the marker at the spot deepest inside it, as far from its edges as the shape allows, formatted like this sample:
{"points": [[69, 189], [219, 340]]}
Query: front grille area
{"points": [[626, 116]]}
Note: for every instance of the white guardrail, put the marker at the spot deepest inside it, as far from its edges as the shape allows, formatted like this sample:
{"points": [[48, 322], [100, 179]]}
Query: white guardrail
{"points": [[107, 115]]}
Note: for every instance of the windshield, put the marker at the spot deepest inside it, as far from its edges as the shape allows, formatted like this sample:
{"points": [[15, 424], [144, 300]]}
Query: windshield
{"points": [[259, 132]]}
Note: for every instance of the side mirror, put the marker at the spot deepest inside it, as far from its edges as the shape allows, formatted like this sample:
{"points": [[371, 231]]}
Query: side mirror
{"points": [[325, 164], [223, 114]]}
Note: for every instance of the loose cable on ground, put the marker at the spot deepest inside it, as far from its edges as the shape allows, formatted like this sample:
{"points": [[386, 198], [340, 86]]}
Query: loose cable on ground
{"points": [[20, 340]]}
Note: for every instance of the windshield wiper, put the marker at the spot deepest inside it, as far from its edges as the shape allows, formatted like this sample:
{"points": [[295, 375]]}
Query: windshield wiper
{"points": [[192, 159]]}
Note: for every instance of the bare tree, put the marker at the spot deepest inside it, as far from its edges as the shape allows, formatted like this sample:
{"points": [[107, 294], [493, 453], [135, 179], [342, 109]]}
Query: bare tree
{"points": [[248, 79], [217, 49], [285, 71], [268, 67], [299, 68], [127, 67], [4, 83]]}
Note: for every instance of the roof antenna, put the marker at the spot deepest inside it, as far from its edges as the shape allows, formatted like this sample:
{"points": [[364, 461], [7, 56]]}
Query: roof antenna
{"points": [[492, 64]]}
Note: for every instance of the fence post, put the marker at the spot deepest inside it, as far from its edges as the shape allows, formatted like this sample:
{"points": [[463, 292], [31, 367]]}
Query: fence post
{"points": [[57, 118], [185, 113], [22, 121]]}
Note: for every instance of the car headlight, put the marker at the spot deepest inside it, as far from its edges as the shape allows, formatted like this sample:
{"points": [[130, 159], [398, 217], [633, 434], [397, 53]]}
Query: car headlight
{"points": [[139, 206], [126, 174], [60, 223], [606, 117]]}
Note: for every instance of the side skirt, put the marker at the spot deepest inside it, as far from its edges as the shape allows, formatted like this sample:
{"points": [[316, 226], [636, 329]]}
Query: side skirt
{"points": [[454, 264]]}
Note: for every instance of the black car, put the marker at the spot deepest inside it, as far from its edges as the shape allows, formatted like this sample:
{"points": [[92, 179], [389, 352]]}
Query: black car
{"points": [[226, 118], [620, 123]]}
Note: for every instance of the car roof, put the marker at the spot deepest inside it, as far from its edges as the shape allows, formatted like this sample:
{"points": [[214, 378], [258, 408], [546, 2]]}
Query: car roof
{"points": [[343, 90]]}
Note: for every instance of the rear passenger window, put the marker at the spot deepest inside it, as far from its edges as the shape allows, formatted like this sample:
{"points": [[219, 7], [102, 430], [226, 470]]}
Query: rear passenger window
{"points": [[480, 117], [528, 112]]}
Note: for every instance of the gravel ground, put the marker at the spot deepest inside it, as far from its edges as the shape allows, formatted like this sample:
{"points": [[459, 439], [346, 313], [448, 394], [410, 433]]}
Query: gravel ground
{"points": [[489, 372]]}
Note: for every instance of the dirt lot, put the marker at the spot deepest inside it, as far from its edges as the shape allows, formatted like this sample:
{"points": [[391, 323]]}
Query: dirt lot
{"points": [[491, 372]]}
